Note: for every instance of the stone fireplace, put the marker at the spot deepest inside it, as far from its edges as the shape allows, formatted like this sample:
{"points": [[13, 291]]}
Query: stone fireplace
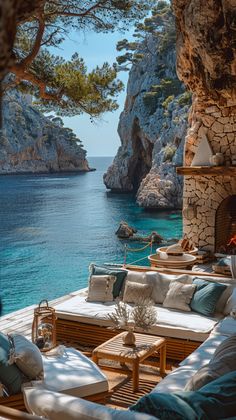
{"points": [[210, 191]]}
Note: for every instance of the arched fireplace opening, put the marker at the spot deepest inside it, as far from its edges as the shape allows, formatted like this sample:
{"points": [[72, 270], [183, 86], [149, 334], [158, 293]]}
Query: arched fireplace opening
{"points": [[225, 226]]}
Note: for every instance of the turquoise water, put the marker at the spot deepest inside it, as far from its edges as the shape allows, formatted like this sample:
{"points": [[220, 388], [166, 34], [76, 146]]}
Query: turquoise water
{"points": [[53, 226]]}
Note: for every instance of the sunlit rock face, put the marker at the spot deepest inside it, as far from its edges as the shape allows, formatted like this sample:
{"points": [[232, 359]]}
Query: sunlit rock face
{"points": [[206, 63], [31, 143], [206, 47], [152, 134]]}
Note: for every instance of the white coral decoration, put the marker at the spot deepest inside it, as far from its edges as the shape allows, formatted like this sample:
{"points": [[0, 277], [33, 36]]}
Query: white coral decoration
{"points": [[121, 316], [143, 315]]}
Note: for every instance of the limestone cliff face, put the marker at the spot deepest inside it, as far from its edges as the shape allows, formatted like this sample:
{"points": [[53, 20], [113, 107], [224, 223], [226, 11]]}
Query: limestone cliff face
{"points": [[152, 128], [31, 143]]}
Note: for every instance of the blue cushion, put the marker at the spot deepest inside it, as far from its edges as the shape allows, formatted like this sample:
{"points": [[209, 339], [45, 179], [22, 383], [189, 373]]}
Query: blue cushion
{"points": [[119, 273], [10, 376], [206, 296], [214, 401]]}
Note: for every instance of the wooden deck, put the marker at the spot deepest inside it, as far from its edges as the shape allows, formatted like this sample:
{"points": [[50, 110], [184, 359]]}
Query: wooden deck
{"points": [[120, 381]]}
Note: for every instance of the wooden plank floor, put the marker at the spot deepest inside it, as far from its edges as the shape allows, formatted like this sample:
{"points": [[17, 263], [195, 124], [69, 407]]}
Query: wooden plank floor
{"points": [[120, 382]]}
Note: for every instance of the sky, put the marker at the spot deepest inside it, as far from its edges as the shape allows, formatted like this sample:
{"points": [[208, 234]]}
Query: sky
{"points": [[99, 138]]}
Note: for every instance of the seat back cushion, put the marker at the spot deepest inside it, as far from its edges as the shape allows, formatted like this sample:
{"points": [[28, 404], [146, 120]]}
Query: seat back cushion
{"points": [[231, 303], [214, 401], [179, 296], [100, 288], [27, 356], [160, 283], [135, 292], [119, 274], [10, 376], [222, 362], [206, 296]]}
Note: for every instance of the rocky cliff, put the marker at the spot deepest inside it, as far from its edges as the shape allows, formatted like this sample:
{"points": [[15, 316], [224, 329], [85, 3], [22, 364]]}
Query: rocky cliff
{"points": [[32, 143], [152, 128]]}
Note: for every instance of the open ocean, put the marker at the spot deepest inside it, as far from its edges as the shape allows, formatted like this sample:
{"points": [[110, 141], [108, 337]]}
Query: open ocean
{"points": [[53, 226]]}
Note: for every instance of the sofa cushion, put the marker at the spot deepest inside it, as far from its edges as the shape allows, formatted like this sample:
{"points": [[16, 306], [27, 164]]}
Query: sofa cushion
{"points": [[10, 376], [231, 303], [160, 283], [100, 288], [55, 406], [73, 373], [222, 362], [170, 322], [134, 292], [26, 355], [119, 274], [179, 296], [214, 401], [206, 296]]}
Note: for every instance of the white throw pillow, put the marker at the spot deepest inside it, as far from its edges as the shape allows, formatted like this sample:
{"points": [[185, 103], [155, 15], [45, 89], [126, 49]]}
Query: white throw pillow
{"points": [[221, 304], [179, 296], [134, 292], [231, 303], [136, 276], [161, 282], [26, 356], [100, 288]]}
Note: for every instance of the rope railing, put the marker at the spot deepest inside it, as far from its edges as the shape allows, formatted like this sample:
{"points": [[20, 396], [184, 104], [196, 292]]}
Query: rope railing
{"points": [[127, 249]]}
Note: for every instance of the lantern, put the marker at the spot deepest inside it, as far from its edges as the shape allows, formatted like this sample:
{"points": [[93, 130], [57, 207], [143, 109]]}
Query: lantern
{"points": [[44, 327]]}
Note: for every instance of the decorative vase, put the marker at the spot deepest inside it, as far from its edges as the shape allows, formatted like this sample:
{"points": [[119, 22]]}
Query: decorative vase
{"points": [[129, 338], [217, 159]]}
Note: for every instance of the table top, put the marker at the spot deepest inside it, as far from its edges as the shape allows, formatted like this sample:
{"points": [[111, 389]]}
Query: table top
{"points": [[145, 345]]}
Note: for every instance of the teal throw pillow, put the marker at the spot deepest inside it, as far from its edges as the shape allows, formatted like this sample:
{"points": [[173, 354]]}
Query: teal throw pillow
{"points": [[206, 296], [10, 376], [214, 401], [119, 273]]}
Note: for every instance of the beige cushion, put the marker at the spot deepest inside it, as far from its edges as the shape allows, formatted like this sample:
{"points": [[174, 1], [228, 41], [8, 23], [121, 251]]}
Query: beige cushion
{"points": [[222, 362], [160, 284], [231, 303], [136, 291], [221, 304], [100, 288], [26, 355], [179, 296]]}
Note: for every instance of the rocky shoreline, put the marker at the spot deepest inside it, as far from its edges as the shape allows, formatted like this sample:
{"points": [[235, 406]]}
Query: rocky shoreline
{"points": [[31, 143]]}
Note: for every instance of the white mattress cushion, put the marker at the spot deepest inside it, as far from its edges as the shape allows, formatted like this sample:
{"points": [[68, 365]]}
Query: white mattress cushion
{"points": [[227, 326], [177, 379], [73, 374], [170, 322], [55, 406]]}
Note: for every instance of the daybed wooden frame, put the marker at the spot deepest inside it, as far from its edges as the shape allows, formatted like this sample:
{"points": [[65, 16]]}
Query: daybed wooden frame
{"points": [[94, 335]]}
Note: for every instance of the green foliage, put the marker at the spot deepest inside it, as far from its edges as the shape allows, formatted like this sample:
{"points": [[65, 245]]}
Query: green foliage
{"points": [[169, 152], [162, 27], [66, 86], [150, 100], [185, 99], [167, 101]]}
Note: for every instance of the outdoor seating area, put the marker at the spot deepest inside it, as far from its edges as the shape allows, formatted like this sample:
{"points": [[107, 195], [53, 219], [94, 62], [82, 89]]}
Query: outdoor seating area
{"points": [[186, 337]]}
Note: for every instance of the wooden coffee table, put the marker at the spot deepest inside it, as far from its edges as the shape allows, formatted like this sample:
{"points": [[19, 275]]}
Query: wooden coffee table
{"points": [[146, 345]]}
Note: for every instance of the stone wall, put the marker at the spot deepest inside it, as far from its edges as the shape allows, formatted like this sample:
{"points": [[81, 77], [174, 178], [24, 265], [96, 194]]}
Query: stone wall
{"points": [[206, 193]]}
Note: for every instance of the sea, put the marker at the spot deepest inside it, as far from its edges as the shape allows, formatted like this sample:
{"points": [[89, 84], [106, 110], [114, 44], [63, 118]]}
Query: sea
{"points": [[52, 227]]}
